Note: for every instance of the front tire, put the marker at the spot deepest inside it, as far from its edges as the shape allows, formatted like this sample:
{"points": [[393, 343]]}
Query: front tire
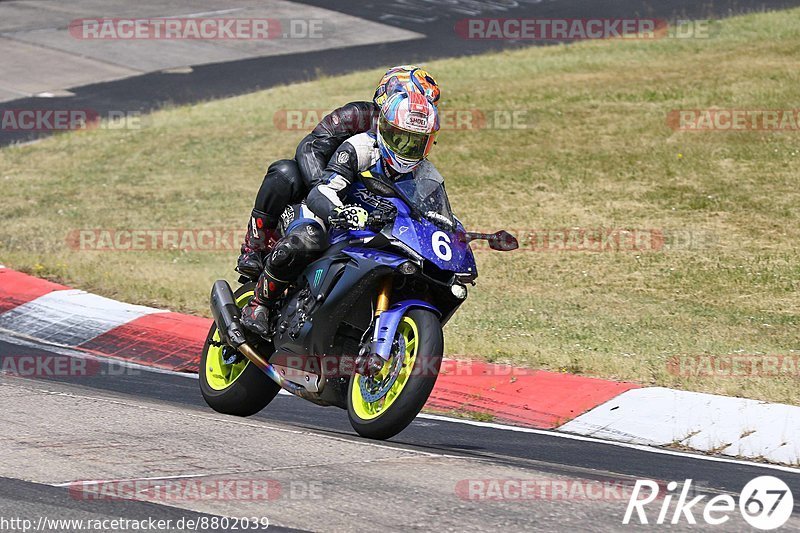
{"points": [[240, 388], [420, 346]]}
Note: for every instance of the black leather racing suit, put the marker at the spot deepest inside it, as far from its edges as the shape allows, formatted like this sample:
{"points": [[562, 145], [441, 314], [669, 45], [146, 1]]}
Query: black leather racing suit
{"points": [[288, 181], [305, 237]]}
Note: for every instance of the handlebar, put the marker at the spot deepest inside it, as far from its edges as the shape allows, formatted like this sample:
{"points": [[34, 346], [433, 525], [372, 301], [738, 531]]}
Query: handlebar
{"points": [[380, 217], [383, 214], [338, 223]]}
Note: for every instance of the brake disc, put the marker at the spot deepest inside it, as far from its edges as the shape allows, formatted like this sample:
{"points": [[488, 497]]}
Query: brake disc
{"points": [[372, 389]]}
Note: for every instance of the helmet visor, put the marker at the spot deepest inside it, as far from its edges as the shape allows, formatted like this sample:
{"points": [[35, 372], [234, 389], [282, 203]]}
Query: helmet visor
{"points": [[405, 144]]}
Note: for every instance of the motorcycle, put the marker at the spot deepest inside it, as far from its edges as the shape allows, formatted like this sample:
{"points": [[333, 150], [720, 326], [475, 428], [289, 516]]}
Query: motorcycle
{"points": [[361, 328]]}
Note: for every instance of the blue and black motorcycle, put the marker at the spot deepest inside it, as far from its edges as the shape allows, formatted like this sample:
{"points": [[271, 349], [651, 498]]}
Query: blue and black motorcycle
{"points": [[361, 329]]}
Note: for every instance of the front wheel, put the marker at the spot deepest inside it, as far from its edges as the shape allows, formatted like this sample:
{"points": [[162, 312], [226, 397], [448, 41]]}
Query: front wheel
{"points": [[229, 382], [381, 406]]}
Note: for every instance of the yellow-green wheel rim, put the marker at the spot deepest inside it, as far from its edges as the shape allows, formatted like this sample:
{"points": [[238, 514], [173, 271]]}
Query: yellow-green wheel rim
{"points": [[220, 376], [372, 410]]}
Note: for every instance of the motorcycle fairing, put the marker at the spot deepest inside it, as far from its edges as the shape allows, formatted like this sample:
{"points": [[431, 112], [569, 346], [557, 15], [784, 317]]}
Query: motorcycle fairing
{"points": [[346, 276]]}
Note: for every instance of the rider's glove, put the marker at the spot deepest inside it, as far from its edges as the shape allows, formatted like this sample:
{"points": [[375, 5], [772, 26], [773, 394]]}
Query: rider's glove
{"points": [[354, 216]]}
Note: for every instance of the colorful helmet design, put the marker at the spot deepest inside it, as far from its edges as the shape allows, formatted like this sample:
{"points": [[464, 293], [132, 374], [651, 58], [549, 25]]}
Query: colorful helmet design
{"points": [[407, 78], [407, 131]]}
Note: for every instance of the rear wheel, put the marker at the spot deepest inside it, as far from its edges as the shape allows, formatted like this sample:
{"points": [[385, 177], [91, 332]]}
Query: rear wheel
{"points": [[229, 382], [383, 405]]}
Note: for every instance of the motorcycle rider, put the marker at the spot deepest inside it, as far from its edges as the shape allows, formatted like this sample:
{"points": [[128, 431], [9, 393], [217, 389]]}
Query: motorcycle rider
{"points": [[406, 132], [288, 181]]}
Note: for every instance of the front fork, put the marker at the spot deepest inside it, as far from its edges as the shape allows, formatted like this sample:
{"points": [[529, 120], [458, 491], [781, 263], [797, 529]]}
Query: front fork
{"points": [[384, 295], [387, 320], [370, 362]]}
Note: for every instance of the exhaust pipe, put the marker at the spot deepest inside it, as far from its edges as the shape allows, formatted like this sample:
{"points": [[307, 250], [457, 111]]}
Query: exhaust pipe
{"points": [[227, 318], [226, 314]]}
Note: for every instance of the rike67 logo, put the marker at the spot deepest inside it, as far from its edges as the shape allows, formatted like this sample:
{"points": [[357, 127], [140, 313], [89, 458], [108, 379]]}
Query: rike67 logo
{"points": [[765, 503]]}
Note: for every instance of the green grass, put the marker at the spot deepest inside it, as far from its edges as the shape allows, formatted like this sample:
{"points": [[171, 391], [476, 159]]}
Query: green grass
{"points": [[600, 154]]}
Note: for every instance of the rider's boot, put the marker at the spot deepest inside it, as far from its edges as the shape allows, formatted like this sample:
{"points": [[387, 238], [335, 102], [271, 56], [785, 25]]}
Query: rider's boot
{"points": [[260, 239], [255, 316]]}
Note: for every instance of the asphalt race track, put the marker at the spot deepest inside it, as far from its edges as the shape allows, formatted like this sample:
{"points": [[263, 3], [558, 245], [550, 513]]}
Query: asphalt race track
{"points": [[57, 431]]}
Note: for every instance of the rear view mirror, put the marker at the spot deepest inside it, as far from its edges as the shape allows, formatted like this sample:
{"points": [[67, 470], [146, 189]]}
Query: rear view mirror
{"points": [[502, 241]]}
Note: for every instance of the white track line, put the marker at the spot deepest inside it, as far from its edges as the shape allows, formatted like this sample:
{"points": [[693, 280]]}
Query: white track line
{"points": [[206, 13], [14, 339], [734, 427], [640, 447]]}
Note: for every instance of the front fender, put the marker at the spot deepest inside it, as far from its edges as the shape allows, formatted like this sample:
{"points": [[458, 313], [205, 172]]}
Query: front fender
{"points": [[387, 322]]}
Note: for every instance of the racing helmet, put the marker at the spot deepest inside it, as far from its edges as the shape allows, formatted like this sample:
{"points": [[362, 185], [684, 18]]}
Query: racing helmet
{"points": [[407, 78], [407, 130]]}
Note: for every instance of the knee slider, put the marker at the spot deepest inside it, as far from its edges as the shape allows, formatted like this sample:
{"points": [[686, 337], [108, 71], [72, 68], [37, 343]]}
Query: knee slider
{"points": [[311, 237], [295, 250], [281, 256]]}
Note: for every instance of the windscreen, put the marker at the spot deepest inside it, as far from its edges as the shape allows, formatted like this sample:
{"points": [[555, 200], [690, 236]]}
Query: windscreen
{"points": [[427, 195]]}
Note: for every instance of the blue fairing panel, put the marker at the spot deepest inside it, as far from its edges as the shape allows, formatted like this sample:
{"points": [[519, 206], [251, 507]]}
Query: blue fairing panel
{"points": [[377, 256], [442, 248]]}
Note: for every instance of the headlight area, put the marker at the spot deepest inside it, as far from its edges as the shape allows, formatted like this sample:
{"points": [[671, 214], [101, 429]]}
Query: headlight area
{"points": [[459, 291], [408, 268], [427, 282]]}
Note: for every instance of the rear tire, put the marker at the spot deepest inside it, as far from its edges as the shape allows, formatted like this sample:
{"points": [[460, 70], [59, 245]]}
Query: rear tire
{"points": [[390, 420], [241, 389]]}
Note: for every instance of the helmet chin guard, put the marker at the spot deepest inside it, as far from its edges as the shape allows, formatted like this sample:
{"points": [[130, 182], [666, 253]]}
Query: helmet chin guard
{"points": [[397, 164]]}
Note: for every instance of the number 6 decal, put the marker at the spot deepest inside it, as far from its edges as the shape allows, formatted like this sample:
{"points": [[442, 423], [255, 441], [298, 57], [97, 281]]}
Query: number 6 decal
{"points": [[441, 245]]}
